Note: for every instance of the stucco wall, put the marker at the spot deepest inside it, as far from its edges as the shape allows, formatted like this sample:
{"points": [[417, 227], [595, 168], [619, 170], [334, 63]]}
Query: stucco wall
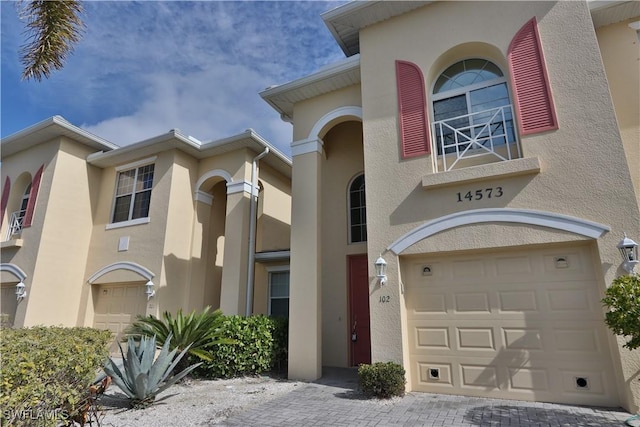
{"points": [[620, 49]]}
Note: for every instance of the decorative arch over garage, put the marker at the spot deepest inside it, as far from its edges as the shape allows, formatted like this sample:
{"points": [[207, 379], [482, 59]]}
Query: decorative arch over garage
{"points": [[522, 216], [124, 265], [15, 270]]}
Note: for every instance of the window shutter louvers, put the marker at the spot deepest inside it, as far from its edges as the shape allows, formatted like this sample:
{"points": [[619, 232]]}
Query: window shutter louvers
{"points": [[5, 198], [534, 103], [414, 127], [33, 195]]}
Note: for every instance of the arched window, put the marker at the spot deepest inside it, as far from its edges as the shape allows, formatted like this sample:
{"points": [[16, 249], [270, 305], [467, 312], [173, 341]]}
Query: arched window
{"points": [[471, 109], [25, 201], [357, 211]]}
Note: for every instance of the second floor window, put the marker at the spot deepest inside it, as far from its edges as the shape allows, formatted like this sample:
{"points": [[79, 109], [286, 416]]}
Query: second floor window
{"points": [[471, 108], [133, 194]]}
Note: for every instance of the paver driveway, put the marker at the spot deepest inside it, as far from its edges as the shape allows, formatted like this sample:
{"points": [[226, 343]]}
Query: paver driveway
{"points": [[335, 401]]}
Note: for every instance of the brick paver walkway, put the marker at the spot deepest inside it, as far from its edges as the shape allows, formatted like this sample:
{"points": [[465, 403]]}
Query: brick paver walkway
{"points": [[334, 401]]}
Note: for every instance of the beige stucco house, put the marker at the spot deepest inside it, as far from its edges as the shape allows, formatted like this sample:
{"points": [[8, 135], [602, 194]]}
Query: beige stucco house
{"points": [[498, 146], [95, 234], [486, 153]]}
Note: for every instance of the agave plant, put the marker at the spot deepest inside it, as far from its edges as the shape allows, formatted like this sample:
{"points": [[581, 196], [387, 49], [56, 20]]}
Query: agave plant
{"points": [[195, 331], [145, 377]]}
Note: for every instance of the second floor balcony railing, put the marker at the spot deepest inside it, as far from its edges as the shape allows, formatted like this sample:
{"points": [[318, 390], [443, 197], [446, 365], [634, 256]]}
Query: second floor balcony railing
{"points": [[15, 224], [484, 133]]}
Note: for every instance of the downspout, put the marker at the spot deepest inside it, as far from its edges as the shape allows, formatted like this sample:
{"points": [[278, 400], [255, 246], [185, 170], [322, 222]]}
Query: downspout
{"points": [[252, 230]]}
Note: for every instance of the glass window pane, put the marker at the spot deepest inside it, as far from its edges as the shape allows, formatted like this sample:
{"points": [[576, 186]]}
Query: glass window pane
{"points": [[125, 182], [121, 210], [141, 205], [279, 284], [280, 307], [145, 178]]}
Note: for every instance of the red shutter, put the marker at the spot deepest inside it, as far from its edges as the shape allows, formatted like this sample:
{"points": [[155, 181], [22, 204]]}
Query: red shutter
{"points": [[414, 128], [534, 105], [33, 195], [5, 198]]}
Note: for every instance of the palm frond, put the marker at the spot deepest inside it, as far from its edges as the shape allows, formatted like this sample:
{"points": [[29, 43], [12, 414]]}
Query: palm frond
{"points": [[53, 29]]}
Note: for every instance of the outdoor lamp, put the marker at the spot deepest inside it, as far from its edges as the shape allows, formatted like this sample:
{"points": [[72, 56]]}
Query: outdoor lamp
{"points": [[629, 251], [20, 291], [381, 270], [149, 291]]}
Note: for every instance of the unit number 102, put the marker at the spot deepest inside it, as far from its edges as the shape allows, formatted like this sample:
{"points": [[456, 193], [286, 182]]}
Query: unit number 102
{"points": [[480, 194]]}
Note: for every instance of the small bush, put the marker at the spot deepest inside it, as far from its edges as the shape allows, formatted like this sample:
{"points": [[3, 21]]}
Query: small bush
{"points": [[623, 301], [382, 380], [258, 347], [46, 372]]}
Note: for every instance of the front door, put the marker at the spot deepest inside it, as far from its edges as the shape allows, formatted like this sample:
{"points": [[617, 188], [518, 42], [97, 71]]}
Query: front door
{"points": [[359, 310]]}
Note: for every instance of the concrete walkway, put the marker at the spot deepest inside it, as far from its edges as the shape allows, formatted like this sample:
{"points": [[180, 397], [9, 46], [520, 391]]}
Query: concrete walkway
{"points": [[334, 401]]}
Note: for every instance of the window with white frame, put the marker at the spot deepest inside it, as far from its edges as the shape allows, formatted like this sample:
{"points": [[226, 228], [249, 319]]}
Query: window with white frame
{"points": [[357, 211], [279, 292], [471, 108], [133, 193]]}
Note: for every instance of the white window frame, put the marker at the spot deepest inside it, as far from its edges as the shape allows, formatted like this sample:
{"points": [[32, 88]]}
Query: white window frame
{"points": [[120, 169], [277, 269], [359, 174]]}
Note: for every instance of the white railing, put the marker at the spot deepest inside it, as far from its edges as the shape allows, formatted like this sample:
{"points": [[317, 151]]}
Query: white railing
{"points": [[484, 133], [15, 224]]}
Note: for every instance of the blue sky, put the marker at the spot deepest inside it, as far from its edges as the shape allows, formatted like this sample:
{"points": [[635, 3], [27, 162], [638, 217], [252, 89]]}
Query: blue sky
{"points": [[143, 68]]}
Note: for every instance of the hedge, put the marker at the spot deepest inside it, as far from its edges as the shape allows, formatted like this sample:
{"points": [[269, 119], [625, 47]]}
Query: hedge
{"points": [[261, 346], [46, 372]]}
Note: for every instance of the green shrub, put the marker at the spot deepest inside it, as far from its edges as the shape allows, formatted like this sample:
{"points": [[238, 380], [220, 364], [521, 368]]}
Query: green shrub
{"points": [[46, 372], [623, 300], [383, 380], [257, 348]]}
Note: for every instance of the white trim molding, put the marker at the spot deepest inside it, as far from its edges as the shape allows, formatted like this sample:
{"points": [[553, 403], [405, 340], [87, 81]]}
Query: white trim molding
{"points": [[238, 187], [137, 164], [522, 216], [213, 173], [201, 196], [304, 146], [350, 111], [124, 265], [15, 270]]}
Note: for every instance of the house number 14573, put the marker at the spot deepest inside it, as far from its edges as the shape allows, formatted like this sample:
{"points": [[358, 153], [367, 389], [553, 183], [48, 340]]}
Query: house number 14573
{"points": [[487, 193]]}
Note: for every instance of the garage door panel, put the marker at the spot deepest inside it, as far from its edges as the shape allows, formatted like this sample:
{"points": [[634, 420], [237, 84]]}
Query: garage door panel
{"points": [[526, 324]]}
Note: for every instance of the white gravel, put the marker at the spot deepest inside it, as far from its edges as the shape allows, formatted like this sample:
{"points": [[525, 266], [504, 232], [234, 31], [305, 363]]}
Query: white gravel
{"points": [[193, 402]]}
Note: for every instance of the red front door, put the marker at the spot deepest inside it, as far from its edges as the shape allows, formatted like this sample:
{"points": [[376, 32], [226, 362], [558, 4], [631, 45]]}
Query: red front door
{"points": [[359, 309]]}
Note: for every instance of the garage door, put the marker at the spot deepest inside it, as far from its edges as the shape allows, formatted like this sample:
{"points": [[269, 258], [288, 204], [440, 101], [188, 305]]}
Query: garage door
{"points": [[9, 305], [521, 324], [118, 305]]}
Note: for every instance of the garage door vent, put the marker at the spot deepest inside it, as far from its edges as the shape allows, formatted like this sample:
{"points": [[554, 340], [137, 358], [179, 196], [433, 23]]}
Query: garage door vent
{"points": [[582, 383], [434, 373], [561, 262]]}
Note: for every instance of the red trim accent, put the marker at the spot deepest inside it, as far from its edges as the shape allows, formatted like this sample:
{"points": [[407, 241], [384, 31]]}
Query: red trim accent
{"points": [[530, 81], [33, 195], [414, 125], [5, 199]]}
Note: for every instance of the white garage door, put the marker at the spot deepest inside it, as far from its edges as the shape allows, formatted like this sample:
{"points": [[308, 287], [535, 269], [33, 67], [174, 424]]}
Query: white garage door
{"points": [[118, 305], [521, 324]]}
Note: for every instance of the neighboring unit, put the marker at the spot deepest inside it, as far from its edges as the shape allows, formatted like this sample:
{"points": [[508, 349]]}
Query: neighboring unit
{"points": [[487, 155], [95, 234]]}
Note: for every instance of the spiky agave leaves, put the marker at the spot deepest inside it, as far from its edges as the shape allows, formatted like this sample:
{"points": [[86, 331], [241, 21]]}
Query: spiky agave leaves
{"points": [[145, 377]]}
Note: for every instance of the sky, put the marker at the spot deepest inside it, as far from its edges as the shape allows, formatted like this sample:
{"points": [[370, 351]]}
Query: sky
{"points": [[144, 68]]}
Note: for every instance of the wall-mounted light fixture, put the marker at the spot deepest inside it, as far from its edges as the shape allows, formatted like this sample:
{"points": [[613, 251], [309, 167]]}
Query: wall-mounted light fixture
{"points": [[381, 270], [21, 291], [149, 290], [629, 252]]}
